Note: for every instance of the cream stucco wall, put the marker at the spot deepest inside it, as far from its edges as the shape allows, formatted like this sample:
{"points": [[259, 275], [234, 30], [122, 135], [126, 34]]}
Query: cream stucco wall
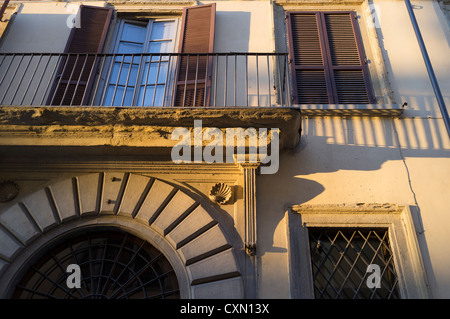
{"points": [[40, 27], [365, 160], [340, 160], [243, 26]]}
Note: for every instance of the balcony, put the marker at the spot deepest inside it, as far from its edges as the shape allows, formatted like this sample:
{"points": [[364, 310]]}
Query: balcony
{"points": [[65, 105], [145, 80]]}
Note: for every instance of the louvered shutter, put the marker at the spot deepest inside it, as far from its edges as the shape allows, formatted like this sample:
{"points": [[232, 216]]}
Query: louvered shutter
{"points": [[76, 73], [308, 63], [197, 36], [327, 60], [346, 59]]}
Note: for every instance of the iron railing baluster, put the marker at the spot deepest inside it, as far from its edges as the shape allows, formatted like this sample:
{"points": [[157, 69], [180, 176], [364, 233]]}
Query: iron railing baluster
{"points": [[156, 81], [12, 79], [31, 79], [215, 78], [166, 82], [205, 93], [78, 82], [136, 84], [21, 79], [86, 88], [58, 61], [113, 60], [128, 79], [70, 78], [185, 80], [117, 80], [150, 57], [99, 78], [196, 80], [60, 79], [24, 75], [40, 80]]}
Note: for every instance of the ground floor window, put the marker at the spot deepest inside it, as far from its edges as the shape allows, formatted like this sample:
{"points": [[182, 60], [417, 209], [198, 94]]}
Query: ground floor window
{"points": [[112, 264], [352, 263], [356, 251]]}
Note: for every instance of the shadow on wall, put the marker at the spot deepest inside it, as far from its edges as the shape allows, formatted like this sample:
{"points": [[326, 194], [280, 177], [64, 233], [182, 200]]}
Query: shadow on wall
{"points": [[360, 144]]}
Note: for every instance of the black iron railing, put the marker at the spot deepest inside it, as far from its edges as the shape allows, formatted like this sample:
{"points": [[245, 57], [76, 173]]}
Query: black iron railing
{"points": [[163, 79]]}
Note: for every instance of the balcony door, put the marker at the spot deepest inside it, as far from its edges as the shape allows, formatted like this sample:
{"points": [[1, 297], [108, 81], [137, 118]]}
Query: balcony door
{"points": [[134, 79]]}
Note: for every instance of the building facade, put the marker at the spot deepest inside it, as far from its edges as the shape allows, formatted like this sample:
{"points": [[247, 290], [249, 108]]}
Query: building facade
{"points": [[224, 149]]}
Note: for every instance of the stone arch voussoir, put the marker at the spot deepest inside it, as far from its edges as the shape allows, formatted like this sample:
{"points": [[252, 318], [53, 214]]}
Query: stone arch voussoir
{"points": [[187, 228]]}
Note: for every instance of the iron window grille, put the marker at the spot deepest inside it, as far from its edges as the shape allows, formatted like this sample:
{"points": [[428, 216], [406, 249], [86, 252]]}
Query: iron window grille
{"points": [[113, 265], [339, 261]]}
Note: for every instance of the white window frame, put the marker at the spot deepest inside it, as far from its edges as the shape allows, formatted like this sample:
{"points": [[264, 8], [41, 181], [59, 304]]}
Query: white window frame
{"points": [[115, 42], [402, 236]]}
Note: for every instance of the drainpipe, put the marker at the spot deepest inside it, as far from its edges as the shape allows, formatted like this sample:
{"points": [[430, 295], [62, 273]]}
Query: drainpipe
{"points": [[431, 74], [2, 10]]}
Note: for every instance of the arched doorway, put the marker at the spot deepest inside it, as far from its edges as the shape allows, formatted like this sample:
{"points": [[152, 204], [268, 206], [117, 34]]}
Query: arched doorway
{"points": [[110, 264], [199, 246]]}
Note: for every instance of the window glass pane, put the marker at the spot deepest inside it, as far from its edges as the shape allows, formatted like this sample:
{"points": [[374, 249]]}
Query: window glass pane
{"points": [[159, 95], [161, 73], [133, 33], [114, 73], [160, 47], [146, 95], [118, 97], [125, 47], [128, 97], [109, 95], [124, 69], [126, 74], [119, 91], [131, 71], [129, 48], [162, 30]]}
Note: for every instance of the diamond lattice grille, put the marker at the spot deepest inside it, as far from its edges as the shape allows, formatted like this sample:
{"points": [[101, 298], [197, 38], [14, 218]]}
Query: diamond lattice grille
{"points": [[339, 260]]}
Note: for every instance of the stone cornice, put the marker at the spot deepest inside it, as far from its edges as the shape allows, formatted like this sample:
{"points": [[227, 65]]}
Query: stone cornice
{"points": [[136, 133], [151, 116], [154, 2], [317, 2], [151, 7], [356, 208]]}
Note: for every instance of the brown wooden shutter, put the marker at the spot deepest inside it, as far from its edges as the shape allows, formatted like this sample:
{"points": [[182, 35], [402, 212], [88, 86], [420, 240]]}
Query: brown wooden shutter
{"points": [[327, 59], [308, 61], [346, 59], [77, 72], [194, 71]]}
